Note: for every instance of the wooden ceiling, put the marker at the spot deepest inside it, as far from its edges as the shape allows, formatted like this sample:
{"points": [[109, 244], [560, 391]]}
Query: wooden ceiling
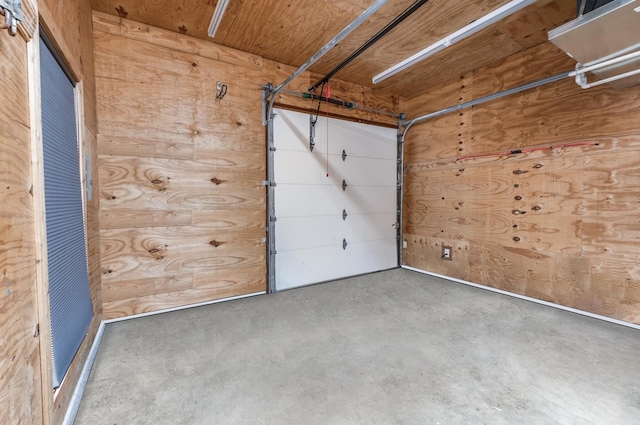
{"points": [[291, 31]]}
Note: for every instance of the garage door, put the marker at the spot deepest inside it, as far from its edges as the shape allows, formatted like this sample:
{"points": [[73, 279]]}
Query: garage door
{"points": [[335, 206]]}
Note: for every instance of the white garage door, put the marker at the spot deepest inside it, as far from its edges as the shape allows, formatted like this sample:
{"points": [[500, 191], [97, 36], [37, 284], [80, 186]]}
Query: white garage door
{"points": [[322, 231]]}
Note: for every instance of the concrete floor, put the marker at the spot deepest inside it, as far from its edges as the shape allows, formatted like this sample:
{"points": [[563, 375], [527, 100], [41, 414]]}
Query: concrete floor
{"points": [[395, 347]]}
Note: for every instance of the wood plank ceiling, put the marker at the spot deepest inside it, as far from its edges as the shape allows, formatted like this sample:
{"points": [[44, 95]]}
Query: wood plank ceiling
{"points": [[291, 31]]}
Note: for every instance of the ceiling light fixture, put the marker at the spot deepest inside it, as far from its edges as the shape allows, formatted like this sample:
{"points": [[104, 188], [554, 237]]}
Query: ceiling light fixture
{"points": [[217, 17], [475, 26]]}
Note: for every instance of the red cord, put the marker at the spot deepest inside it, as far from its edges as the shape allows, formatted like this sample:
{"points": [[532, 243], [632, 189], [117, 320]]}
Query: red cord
{"points": [[517, 151]]}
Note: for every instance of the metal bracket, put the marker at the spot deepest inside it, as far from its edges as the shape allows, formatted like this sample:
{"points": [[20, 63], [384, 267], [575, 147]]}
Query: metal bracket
{"points": [[581, 78], [221, 90], [273, 219], [12, 14], [268, 183], [344, 215], [344, 185], [344, 244], [344, 155]]}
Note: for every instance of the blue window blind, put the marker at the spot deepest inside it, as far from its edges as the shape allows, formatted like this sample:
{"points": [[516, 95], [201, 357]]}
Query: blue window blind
{"points": [[69, 296]]}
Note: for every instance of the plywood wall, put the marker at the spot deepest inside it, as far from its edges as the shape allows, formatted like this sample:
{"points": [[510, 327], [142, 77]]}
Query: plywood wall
{"points": [[183, 207], [20, 381], [558, 224], [26, 390]]}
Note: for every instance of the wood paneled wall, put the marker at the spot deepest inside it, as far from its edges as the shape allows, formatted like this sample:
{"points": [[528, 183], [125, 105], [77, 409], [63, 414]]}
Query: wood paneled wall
{"points": [[20, 380], [558, 224], [183, 207], [26, 389]]}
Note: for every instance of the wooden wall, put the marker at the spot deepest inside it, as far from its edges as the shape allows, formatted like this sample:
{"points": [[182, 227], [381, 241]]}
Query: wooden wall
{"points": [[561, 224], [20, 380], [26, 389], [183, 208]]}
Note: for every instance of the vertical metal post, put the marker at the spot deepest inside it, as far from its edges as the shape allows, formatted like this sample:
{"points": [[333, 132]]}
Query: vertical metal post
{"points": [[400, 182], [271, 210]]}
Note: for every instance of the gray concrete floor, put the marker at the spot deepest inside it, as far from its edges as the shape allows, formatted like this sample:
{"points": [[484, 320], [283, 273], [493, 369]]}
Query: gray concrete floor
{"points": [[395, 347]]}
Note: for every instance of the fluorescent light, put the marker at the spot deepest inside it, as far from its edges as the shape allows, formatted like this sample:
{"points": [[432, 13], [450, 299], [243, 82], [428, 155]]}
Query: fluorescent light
{"points": [[217, 17], [475, 26]]}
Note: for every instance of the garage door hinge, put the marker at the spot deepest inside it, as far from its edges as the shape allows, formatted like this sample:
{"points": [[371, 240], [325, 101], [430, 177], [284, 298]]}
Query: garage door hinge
{"points": [[273, 219], [273, 252], [12, 10], [268, 183], [344, 244], [272, 148]]}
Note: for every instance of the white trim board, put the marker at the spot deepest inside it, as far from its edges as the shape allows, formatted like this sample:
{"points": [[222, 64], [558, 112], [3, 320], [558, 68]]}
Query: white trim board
{"points": [[184, 307], [76, 398], [524, 297]]}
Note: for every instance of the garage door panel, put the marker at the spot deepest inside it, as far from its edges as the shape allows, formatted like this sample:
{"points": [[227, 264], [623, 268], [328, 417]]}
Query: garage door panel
{"points": [[307, 232], [310, 228], [369, 227], [307, 266], [356, 171], [358, 140], [359, 171], [288, 164], [292, 131], [304, 201], [369, 257], [313, 232], [370, 199]]}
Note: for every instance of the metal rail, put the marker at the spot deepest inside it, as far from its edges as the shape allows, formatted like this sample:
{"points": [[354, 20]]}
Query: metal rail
{"points": [[579, 71], [384, 31], [346, 104], [323, 51], [411, 123]]}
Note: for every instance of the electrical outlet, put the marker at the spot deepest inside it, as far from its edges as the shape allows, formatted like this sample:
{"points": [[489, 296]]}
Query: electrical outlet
{"points": [[446, 253]]}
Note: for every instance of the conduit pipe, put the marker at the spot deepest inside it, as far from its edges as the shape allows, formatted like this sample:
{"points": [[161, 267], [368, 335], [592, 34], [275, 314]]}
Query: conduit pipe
{"points": [[384, 31], [579, 72], [581, 77], [411, 123], [323, 51]]}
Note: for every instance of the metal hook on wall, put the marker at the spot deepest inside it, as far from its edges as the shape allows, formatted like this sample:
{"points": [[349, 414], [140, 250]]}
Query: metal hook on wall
{"points": [[221, 90]]}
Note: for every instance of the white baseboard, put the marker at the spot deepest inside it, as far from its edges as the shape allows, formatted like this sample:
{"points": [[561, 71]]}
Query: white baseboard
{"points": [[184, 307], [74, 405], [524, 297]]}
